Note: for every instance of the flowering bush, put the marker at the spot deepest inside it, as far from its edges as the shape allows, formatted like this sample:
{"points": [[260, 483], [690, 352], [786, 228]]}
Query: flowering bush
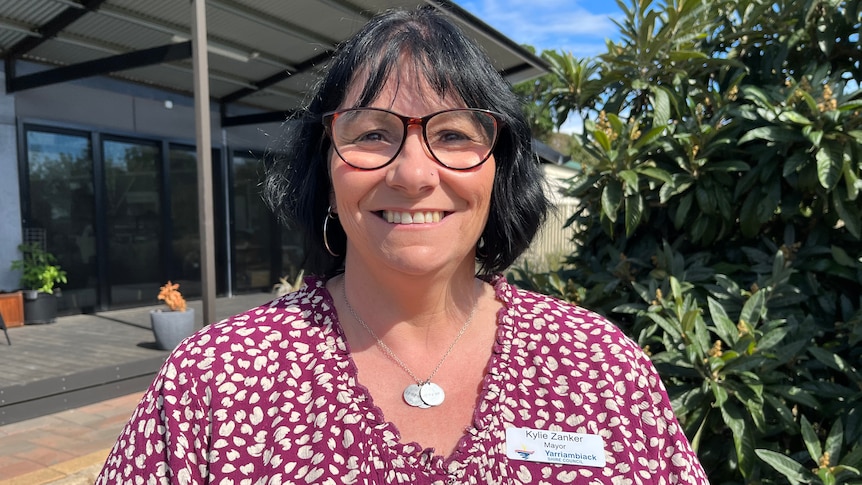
{"points": [[172, 297]]}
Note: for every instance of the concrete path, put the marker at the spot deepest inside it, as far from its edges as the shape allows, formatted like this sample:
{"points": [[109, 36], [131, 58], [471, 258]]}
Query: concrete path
{"points": [[66, 448]]}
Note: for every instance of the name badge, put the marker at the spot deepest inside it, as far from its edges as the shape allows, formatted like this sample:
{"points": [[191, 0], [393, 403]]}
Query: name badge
{"points": [[555, 447]]}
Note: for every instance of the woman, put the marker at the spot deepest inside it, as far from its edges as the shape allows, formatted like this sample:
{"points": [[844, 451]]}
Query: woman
{"points": [[409, 169]]}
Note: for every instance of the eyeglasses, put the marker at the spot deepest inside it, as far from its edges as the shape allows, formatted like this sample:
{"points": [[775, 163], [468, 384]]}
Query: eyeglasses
{"points": [[371, 138]]}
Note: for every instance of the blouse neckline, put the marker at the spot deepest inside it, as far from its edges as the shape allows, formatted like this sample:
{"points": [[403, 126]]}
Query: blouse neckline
{"points": [[484, 412]]}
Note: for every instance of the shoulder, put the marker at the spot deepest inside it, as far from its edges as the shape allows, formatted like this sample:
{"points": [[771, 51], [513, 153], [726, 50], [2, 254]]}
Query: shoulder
{"points": [[299, 323], [557, 320], [306, 307]]}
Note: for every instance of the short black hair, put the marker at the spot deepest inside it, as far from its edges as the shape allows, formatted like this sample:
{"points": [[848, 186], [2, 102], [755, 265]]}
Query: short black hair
{"points": [[297, 184]]}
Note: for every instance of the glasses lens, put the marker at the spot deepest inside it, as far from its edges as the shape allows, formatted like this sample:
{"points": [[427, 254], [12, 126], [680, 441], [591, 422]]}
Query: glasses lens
{"points": [[462, 138], [367, 138]]}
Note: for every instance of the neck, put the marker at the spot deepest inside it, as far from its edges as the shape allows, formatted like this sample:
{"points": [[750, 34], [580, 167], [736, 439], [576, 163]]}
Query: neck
{"points": [[385, 298]]}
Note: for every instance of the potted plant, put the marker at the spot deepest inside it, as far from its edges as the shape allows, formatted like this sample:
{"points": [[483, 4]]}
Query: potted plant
{"points": [[171, 327], [39, 274]]}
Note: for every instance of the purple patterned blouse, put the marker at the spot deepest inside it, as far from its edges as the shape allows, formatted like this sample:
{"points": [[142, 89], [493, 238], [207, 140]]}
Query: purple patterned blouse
{"points": [[271, 396]]}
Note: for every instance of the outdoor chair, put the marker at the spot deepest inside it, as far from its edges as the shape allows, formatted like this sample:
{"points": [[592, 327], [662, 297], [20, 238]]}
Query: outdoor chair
{"points": [[3, 326]]}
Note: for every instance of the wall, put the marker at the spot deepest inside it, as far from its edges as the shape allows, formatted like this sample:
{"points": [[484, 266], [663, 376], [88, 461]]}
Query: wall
{"points": [[10, 202], [104, 109]]}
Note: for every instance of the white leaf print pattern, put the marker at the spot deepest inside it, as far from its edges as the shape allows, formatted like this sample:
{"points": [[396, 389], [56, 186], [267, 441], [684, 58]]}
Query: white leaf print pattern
{"points": [[272, 396]]}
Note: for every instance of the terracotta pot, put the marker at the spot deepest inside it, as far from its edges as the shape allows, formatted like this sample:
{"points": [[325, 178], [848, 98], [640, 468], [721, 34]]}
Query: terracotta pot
{"points": [[170, 328]]}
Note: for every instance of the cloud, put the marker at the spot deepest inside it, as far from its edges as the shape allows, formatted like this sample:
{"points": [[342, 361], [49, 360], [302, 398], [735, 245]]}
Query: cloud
{"points": [[580, 27]]}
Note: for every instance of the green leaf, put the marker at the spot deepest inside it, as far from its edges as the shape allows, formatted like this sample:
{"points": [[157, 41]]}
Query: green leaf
{"points": [[826, 476], [655, 173], [849, 213], [851, 181], [631, 179], [672, 330], [603, 140], [661, 106], [724, 326], [650, 136], [796, 394], [772, 338], [853, 458], [634, 211], [833, 442], [612, 198], [684, 56], [769, 133], [719, 392], [753, 309], [809, 436], [727, 166], [850, 106], [788, 467], [794, 163], [749, 224], [840, 256], [794, 117], [742, 438], [830, 164], [830, 359], [682, 210], [814, 136], [675, 290]]}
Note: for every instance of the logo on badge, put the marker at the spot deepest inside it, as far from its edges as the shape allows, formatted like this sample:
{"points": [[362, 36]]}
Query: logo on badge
{"points": [[524, 452]]}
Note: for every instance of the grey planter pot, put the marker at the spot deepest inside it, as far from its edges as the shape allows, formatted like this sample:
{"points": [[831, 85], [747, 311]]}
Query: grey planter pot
{"points": [[170, 328], [41, 309]]}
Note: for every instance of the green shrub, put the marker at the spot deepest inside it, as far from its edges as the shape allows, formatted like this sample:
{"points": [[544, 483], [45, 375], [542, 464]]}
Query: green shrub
{"points": [[720, 224]]}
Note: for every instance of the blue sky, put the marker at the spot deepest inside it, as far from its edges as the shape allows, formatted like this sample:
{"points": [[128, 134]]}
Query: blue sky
{"points": [[576, 26]]}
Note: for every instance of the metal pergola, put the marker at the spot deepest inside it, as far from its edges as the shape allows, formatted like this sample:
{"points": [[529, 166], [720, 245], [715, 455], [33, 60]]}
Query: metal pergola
{"points": [[254, 59]]}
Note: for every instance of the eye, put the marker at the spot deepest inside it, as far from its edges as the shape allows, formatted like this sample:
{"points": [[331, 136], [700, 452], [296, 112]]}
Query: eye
{"points": [[452, 136], [371, 137]]}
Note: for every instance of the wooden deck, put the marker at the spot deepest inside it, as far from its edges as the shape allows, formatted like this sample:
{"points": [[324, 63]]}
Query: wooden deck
{"points": [[84, 359]]}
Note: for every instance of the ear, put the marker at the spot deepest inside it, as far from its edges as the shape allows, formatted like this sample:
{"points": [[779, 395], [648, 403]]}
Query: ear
{"points": [[333, 204]]}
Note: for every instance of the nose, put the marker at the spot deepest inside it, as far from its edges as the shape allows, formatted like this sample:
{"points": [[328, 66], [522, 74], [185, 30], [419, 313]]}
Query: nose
{"points": [[414, 170]]}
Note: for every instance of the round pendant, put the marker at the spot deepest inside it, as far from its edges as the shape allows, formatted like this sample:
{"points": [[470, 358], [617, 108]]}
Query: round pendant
{"points": [[412, 397], [431, 394]]}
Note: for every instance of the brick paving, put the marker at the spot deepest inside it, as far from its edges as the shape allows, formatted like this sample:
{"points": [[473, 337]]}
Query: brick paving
{"points": [[69, 447]]}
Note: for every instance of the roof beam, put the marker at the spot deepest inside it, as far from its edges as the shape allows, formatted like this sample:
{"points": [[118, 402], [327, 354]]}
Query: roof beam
{"points": [[53, 27], [255, 119], [106, 65], [278, 77]]}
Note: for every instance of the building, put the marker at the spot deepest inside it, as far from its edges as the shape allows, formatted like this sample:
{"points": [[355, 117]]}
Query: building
{"points": [[98, 142]]}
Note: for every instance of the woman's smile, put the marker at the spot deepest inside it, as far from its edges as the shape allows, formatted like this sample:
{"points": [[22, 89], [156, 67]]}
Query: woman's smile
{"points": [[412, 217]]}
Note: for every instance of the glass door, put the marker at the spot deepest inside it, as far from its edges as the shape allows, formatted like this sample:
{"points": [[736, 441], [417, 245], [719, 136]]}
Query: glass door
{"points": [[133, 220], [60, 209], [253, 227], [185, 254]]}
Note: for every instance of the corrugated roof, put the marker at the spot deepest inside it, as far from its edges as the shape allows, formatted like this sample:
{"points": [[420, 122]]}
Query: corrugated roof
{"points": [[263, 53]]}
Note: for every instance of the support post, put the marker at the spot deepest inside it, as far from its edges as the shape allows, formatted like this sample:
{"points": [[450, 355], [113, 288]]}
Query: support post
{"points": [[203, 134]]}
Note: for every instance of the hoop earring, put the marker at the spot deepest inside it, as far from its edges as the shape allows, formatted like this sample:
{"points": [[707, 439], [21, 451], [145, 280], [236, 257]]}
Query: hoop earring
{"points": [[480, 248], [329, 215]]}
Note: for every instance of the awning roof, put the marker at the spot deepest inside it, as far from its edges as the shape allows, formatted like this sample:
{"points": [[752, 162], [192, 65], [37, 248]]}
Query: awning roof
{"points": [[264, 54]]}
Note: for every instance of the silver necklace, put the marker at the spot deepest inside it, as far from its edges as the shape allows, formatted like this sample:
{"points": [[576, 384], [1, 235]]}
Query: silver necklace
{"points": [[422, 394]]}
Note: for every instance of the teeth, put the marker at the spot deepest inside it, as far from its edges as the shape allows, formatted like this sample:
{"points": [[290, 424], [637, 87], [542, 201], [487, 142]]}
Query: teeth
{"points": [[412, 217]]}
